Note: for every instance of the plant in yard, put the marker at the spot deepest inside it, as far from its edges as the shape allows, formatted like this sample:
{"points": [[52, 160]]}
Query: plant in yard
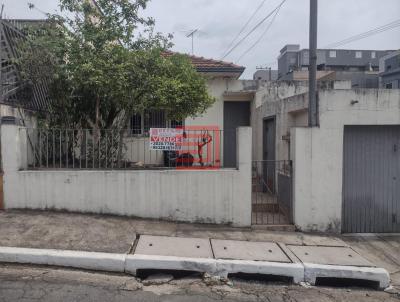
{"points": [[102, 62]]}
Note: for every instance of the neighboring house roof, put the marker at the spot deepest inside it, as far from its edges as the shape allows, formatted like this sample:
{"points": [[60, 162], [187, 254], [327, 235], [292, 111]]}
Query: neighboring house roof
{"points": [[213, 67]]}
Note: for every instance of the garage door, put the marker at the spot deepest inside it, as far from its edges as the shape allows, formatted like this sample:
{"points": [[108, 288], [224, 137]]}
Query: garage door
{"points": [[371, 179]]}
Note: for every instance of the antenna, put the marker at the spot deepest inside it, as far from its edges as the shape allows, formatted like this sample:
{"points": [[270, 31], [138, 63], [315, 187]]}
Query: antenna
{"points": [[191, 34]]}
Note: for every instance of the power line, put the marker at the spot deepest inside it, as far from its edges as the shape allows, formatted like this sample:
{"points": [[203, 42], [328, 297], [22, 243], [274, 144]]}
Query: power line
{"points": [[261, 37], [245, 26], [366, 34], [253, 29]]}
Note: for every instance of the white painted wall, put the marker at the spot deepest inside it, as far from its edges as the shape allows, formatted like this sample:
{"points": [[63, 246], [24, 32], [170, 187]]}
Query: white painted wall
{"points": [[205, 196], [317, 153]]}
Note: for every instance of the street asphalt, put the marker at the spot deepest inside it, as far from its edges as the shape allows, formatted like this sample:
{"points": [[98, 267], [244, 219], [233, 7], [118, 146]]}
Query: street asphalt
{"points": [[26, 283]]}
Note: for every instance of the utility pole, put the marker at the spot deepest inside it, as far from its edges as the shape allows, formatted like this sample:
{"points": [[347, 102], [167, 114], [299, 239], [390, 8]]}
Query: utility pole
{"points": [[312, 80], [191, 34]]}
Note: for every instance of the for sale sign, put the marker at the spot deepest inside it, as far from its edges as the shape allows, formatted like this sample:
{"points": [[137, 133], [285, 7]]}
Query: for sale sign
{"points": [[167, 139]]}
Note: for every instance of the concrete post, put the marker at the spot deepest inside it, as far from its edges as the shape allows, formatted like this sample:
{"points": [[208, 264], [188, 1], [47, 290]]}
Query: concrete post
{"points": [[243, 160], [11, 149], [12, 157]]}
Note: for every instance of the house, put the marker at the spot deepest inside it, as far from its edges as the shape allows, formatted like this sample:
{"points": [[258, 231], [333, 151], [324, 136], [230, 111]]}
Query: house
{"points": [[389, 71], [231, 110], [345, 173], [361, 67]]}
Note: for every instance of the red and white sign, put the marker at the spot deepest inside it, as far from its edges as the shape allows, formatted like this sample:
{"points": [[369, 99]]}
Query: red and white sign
{"points": [[167, 139]]}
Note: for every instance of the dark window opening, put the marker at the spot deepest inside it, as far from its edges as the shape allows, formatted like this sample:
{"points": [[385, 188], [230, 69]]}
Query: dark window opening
{"points": [[141, 123], [136, 124], [154, 119]]}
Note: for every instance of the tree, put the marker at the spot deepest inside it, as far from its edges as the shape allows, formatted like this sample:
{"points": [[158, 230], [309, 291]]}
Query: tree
{"points": [[102, 62]]}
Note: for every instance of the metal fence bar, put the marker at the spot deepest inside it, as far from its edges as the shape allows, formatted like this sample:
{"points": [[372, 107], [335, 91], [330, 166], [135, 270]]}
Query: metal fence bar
{"points": [[271, 192], [121, 149]]}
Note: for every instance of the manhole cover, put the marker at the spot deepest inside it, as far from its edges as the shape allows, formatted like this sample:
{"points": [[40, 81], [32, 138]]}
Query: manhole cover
{"points": [[174, 246], [329, 255], [247, 250]]}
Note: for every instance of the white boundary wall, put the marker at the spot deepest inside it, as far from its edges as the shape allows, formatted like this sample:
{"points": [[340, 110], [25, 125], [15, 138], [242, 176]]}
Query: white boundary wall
{"points": [[204, 196]]}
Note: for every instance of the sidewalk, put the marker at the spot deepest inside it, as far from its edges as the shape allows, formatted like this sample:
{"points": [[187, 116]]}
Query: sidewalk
{"points": [[111, 234]]}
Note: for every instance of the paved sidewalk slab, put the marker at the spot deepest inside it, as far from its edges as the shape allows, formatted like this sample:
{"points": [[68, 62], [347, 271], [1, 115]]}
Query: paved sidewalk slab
{"points": [[343, 256], [246, 250], [174, 246]]}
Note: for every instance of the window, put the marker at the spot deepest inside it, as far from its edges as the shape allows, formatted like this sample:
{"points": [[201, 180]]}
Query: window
{"points": [[358, 54], [154, 119], [373, 54], [332, 53], [141, 123], [136, 124], [389, 86]]}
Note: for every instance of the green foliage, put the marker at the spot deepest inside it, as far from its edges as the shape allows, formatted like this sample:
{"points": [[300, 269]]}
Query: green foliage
{"points": [[105, 63]]}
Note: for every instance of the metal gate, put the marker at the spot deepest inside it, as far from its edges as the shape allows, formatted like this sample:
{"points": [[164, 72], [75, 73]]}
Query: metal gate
{"points": [[371, 179], [272, 192]]}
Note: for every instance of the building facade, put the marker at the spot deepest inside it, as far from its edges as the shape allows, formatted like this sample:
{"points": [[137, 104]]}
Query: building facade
{"points": [[361, 67], [266, 74], [389, 71]]}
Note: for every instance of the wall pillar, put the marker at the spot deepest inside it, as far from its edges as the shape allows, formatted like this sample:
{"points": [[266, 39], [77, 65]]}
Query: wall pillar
{"points": [[13, 142], [243, 161], [10, 145]]}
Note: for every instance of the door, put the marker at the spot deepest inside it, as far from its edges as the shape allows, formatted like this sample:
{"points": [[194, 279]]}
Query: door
{"points": [[371, 179], [269, 153], [236, 114]]}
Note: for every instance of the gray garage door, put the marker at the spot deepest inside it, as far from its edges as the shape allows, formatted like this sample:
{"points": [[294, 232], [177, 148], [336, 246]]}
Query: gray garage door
{"points": [[371, 179]]}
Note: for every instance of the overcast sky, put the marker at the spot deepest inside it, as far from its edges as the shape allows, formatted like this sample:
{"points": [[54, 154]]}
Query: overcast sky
{"points": [[219, 21]]}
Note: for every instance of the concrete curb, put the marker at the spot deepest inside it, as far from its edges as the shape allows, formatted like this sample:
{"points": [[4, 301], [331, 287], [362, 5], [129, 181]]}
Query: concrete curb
{"points": [[76, 259], [201, 265], [313, 271], [131, 263], [292, 270]]}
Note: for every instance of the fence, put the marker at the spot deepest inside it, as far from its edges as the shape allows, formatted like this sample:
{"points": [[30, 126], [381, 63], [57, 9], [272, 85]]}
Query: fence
{"points": [[120, 149], [203, 196], [272, 192]]}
